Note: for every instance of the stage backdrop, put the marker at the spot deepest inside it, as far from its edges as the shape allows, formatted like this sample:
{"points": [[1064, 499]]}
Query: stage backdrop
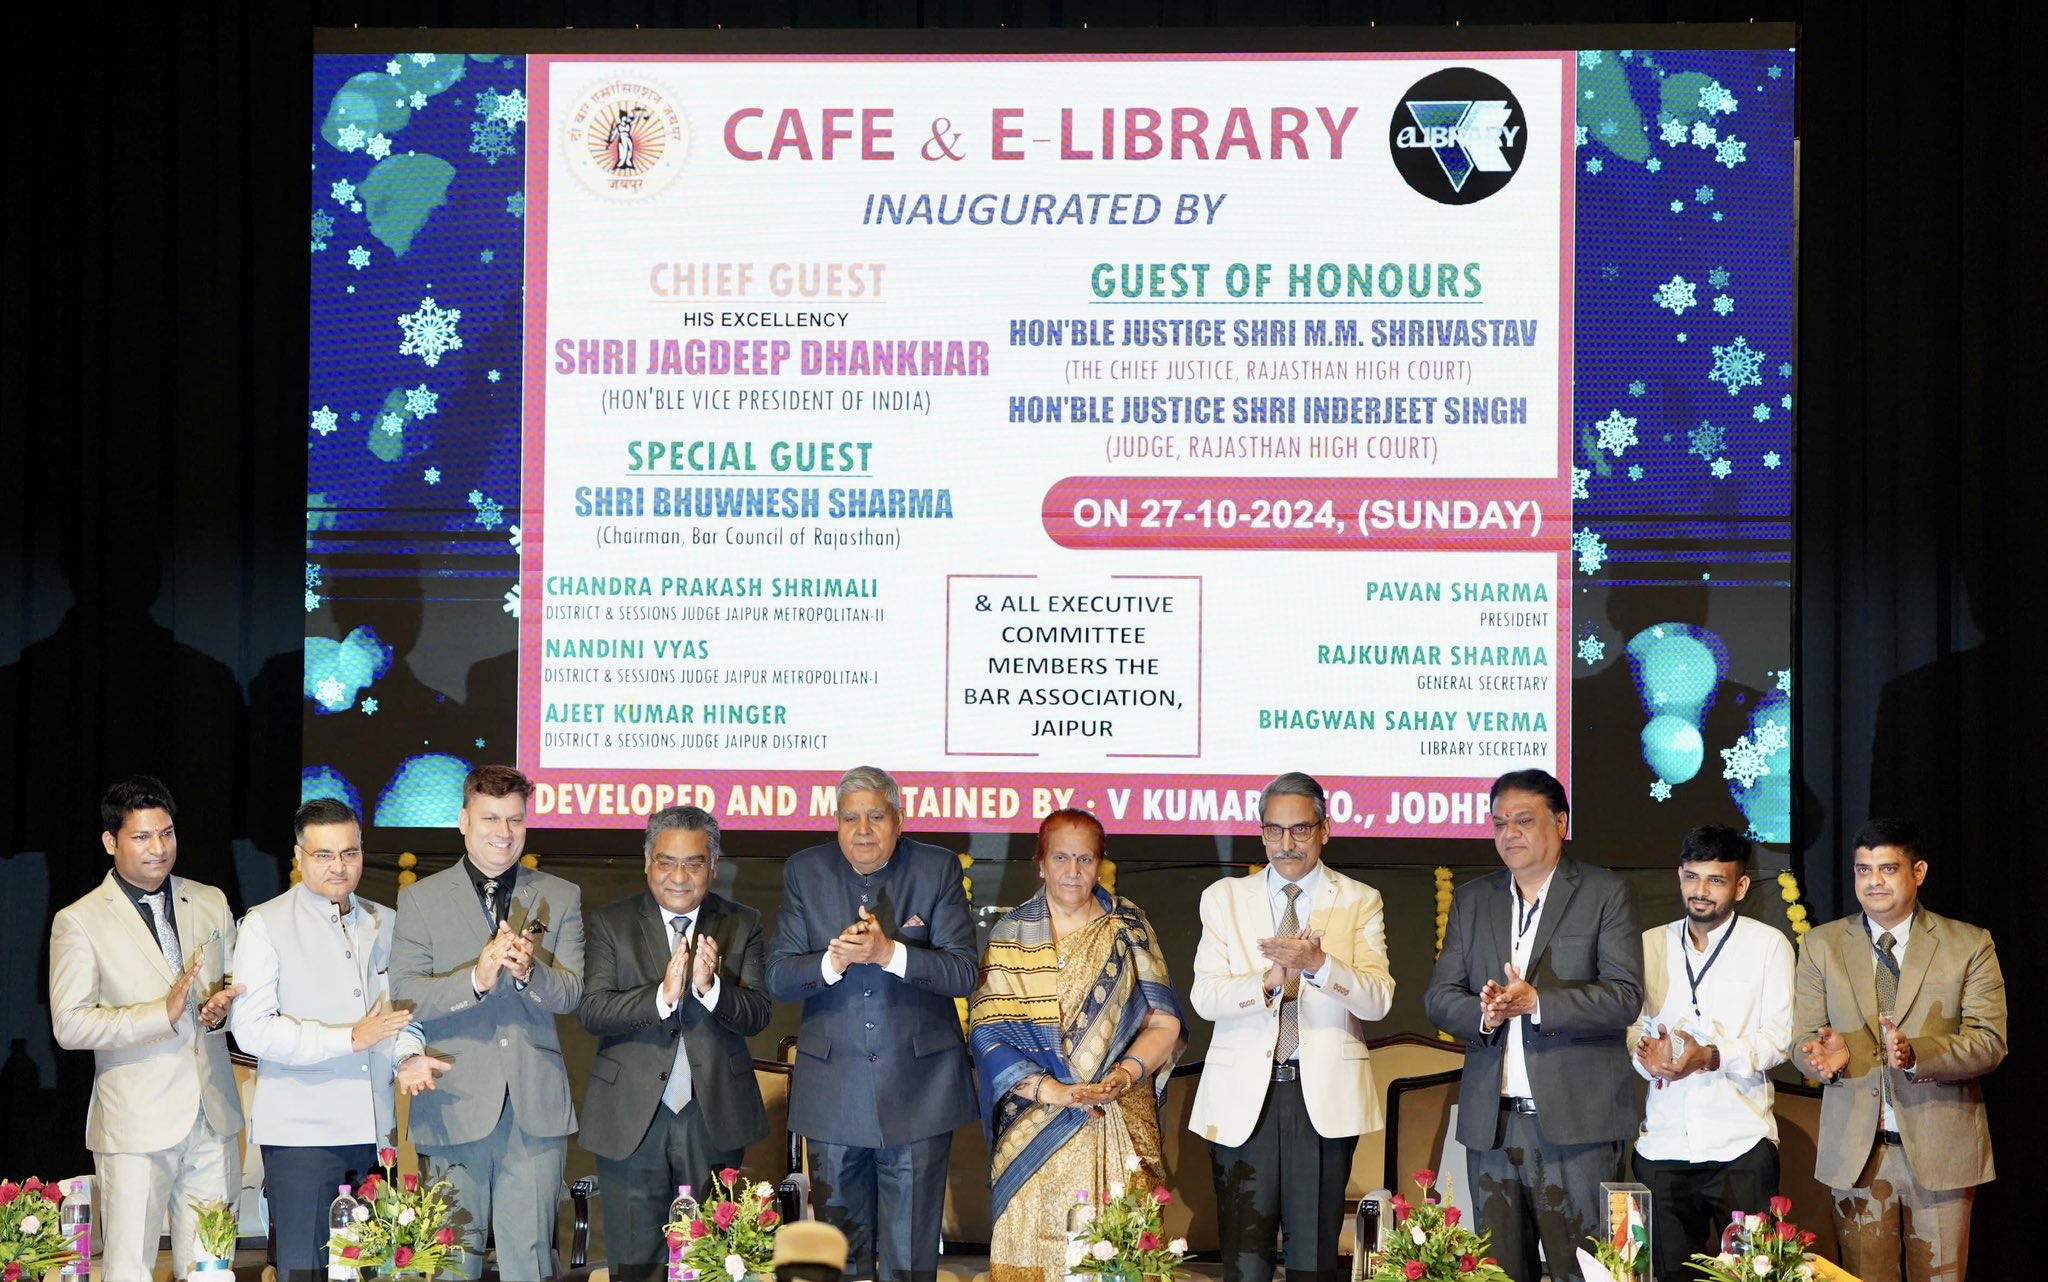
{"points": [[1114, 424]]}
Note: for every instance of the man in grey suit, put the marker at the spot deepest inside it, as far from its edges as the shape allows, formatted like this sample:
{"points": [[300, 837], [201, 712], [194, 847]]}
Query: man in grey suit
{"points": [[489, 953], [1901, 1012], [1541, 976], [674, 984], [875, 939]]}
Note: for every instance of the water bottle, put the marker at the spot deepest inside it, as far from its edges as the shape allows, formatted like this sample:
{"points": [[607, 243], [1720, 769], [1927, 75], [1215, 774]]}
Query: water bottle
{"points": [[74, 1219], [341, 1223], [793, 1197], [681, 1211], [1079, 1216]]}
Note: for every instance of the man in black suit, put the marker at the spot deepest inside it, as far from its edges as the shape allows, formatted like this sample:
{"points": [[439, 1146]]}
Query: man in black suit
{"points": [[875, 939], [672, 988], [1541, 976]]}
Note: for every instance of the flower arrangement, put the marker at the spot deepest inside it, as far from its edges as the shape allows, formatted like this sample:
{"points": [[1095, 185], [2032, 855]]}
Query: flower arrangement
{"points": [[216, 1237], [31, 1241], [401, 1226], [1760, 1249], [1429, 1244], [733, 1235], [1124, 1241], [1622, 1257]]}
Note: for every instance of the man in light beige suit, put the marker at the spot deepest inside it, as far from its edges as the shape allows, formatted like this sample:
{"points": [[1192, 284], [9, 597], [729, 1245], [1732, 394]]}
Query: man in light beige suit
{"points": [[1899, 1011], [138, 976], [1291, 967]]}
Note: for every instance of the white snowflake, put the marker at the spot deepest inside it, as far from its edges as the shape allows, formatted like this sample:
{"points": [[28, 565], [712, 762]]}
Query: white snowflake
{"points": [[1744, 763], [421, 401], [479, 743], [493, 375], [1579, 135], [1772, 460], [1706, 440], [431, 476], [343, 191], [1731, 151], [513, 537], [490, 515], [1721, 468], [1672, 132], [512, 107], [476, 498], [392, 67], [423, 59], [322, 227], [324, 421], [1676, 294], [1660, 791], [369, 707], [1736, 366], [1677, 206], [1616, 433], [1723, 304], [1704, 134], [355, 206], [511, 605], [1704, 195], [1775, 72], [1594, 164], [1591, 649], [378, 147], [313, 575], [1580, 475], [1591, 550], [1589, 58], [359, 258], [391, 424], [1714, 99], [1760, 412], [330, 693], [1772, 737], [1635, 472], [1784, 676], [350, 137], [1785, 401], [418, 102], [1653, 164], [430, 332]]}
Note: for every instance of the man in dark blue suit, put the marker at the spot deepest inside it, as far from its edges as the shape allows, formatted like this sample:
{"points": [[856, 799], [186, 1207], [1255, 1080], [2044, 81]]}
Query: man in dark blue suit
{"points": [[875, 939]]}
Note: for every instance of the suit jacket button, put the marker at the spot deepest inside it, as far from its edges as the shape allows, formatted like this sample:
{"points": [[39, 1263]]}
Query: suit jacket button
{"points": [[870, 1024], [664, 1074], [503, 1042], [873, 1058], [867, 992]]}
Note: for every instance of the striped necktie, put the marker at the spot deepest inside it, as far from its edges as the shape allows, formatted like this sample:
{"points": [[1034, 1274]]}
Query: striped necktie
{"points": [[1290, 1005]]}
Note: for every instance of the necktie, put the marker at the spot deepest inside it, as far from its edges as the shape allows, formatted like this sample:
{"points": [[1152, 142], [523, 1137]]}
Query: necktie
{"points": [[677, 1093], [1290, 1006], [166, 936], [1887, 993], [491, 904]]}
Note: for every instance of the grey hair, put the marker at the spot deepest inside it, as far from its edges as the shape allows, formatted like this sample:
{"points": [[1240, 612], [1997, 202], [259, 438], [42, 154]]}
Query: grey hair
{"points": [[1295, 784], [683, 819], [871, 779]]}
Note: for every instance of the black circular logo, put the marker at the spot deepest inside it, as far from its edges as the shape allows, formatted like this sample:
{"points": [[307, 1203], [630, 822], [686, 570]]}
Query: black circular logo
{"points": [[1458, 135]]}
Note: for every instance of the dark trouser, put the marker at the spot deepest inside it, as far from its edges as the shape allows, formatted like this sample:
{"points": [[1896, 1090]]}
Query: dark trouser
{"points": [[638, 1189], [1526, 1189], [1690, 1202], [1283, 1175], [890, 1203], [299, 1182]]}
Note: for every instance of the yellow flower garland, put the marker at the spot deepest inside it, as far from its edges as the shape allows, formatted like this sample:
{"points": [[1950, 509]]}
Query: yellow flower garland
{"points": [[1443, 923], [1795, 912]]}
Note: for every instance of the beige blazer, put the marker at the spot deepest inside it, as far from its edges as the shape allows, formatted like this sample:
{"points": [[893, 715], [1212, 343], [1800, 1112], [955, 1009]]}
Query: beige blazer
{"points": [[1951, 1003], [108, 978], [1229, 990]]}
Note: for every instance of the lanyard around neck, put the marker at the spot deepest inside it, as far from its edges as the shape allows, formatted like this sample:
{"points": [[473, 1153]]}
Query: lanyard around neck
{"points": [[1696, 980]]}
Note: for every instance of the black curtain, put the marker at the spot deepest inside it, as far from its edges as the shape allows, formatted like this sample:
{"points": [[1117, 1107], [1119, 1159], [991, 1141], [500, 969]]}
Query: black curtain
{"points": [[152, 459]]}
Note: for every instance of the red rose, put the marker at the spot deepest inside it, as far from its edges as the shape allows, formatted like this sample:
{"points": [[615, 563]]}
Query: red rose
{"points": [[769, 1219], [9, 1190], [1468, 1264], [13, 1272], [1781, 1206], [728, 1176], [402, 1256], [697, 1229], [412, 1182], [368, 1191], [32, 1185], [1161, 1196], [1400, 1205], [1807, 1239], [726, 1213], [387, 1157], [1423, 1179], [1451, 1217], [445, 1236], [1490, 1262], [1786, 1229], [351, 1253], [1413, 1270], [1148, 1242]]}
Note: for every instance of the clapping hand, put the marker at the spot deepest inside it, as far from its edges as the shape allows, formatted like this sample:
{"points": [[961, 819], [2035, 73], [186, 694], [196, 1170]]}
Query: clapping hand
{"points": [[496, 957], [863, 941], [419, 1073], [1654, 1053], [705, 972], [1500, 1003], [677, 973], [1301, 954], [1898, 1048], [1827, 1054], [379, 1026]]}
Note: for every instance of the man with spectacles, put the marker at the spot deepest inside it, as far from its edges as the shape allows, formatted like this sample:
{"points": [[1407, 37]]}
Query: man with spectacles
{"points": [[1291, 966], [318, 1018], [1541, 976], [674, 982]]}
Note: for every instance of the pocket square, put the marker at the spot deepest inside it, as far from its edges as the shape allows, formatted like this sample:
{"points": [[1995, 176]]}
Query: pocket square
{"points": [[915, 920]]}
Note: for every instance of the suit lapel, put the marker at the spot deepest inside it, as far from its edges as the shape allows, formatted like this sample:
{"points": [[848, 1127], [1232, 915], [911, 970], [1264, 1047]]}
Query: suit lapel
{"points": [[650, 937], [1919, 957], [463, 902], [130, 924], [1557, 901], [1859, 963], [1502, 895]]}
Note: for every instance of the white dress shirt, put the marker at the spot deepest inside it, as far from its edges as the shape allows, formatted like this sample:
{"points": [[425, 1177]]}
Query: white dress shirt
{"points": [[1743, 1010], [1524, 920], [1900, 934], [708, 998]]}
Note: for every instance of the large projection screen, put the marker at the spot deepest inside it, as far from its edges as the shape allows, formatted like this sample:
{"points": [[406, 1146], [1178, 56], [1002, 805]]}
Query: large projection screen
{"points": [[1114, 424]]}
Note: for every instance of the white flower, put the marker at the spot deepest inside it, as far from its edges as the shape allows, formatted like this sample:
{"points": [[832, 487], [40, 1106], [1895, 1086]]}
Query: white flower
{"points": [[406, 1215], [1415, 1231], [1131, 1162], [30, 1226], [764, 1190], [1116, 1189], [1103, 1250], [1179, 1246], [1762, 1265], [1754, 1224], [362, 1213], [735, 1268], [1805, 1271], [1075, 1250]]}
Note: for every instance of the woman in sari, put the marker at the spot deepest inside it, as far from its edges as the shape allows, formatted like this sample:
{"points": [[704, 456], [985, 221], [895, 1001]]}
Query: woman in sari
{"points": [[1073, 1014]]}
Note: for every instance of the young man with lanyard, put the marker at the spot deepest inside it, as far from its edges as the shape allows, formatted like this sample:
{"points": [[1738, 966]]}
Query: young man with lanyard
{"points": [[1717, 1012]]}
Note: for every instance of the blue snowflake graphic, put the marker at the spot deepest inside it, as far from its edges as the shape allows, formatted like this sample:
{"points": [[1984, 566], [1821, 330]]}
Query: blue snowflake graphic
{"points": [[369, 707], [430, 332], [1609, 128], [476, 498], [1706, 440], [1723, 304], [1591, 550], [1775, 72], [1676, 294], [491, 139], [1635, 472], [1714, 99], [1731, 151], [1704, 195], [1736, 365], [486, 256], [479, 743], [1785, 369], [1589, 58], [323, 227], [1772, 460], [1616, 433], [1579, 136], [343, 191], [490, 515], [1653, 164], [418, 102], [313, 575], [1784, 676], [422, 401], [312, 601], [1660, 790], [324, 421], [1638, 387], [1591, 649], [359, 258], [493, 375], [1761, 413], [515, 204], [1721, 468], [1594, 165], [431, 476], [1744, 763], [1718, 278]]}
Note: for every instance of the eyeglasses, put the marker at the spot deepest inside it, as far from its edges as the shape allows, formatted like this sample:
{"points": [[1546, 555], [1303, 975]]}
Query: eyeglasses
{"points": [[329, 858], [1272, 833], [668, 867]]}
